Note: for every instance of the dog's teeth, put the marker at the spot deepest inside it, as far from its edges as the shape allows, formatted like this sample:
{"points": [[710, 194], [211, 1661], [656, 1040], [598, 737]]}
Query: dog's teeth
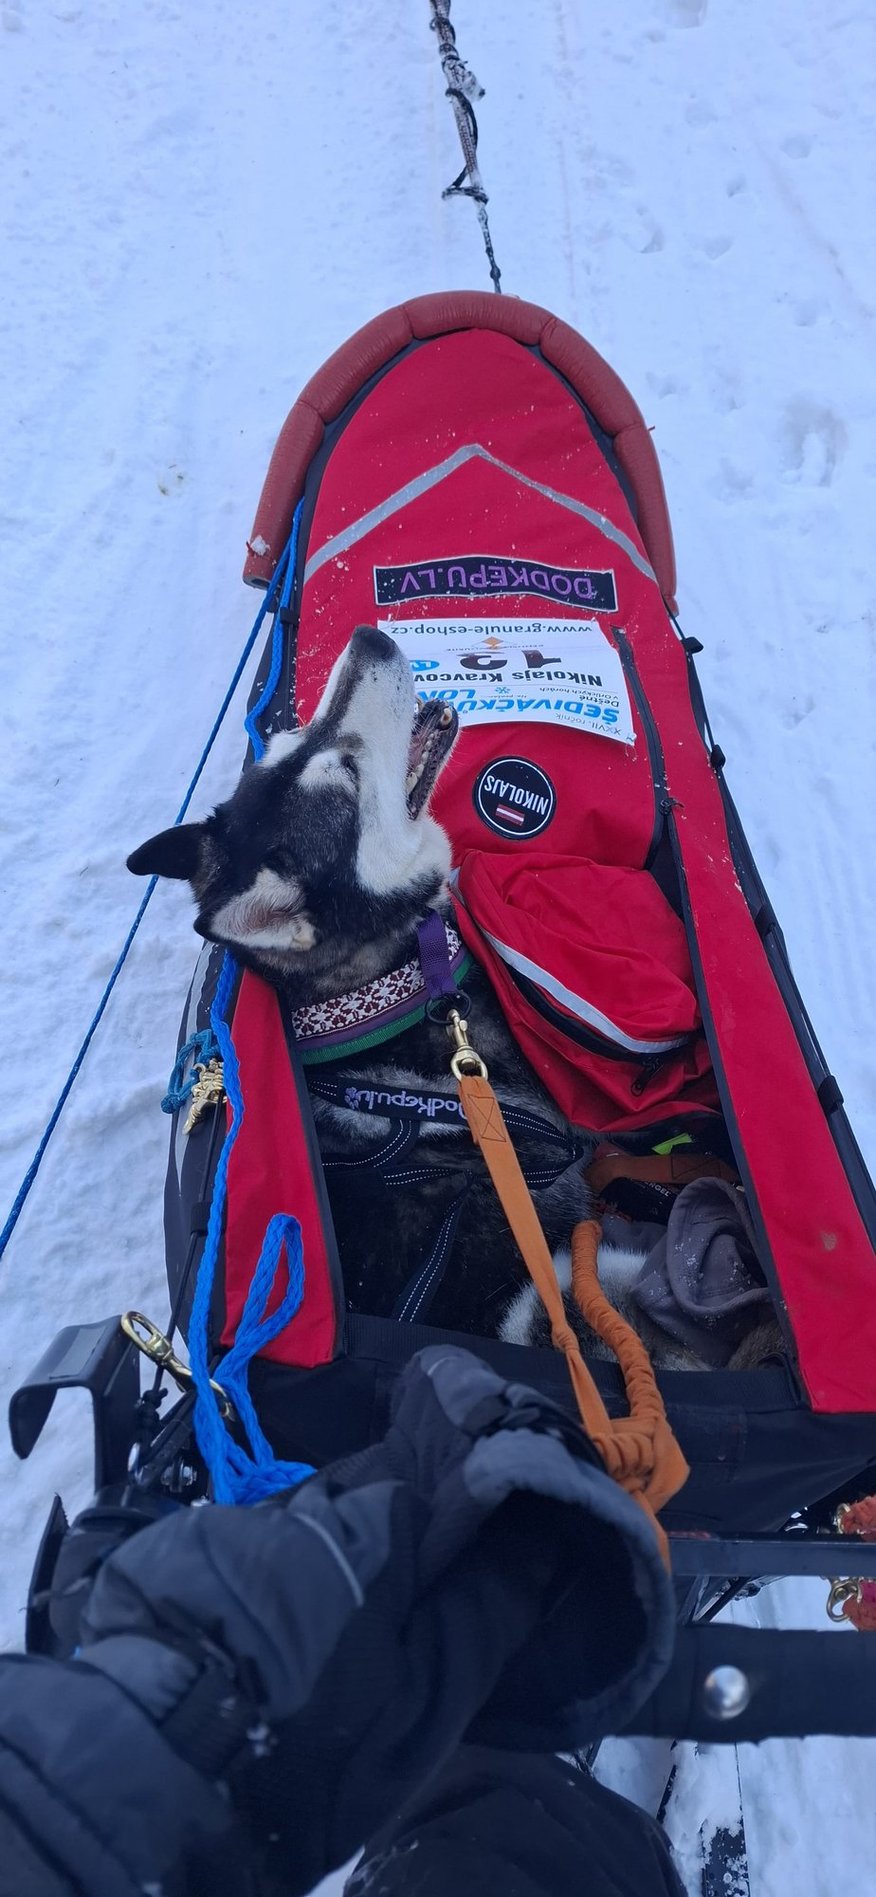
{"points": [[412, 779]]}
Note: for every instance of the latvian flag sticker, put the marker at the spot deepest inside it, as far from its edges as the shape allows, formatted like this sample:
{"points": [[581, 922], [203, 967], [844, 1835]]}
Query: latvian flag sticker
{"points": [[514, 797]]}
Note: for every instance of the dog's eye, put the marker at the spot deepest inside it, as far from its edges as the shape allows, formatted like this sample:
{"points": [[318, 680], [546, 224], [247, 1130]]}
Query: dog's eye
{"points": [[280, 865], [330, 767]]}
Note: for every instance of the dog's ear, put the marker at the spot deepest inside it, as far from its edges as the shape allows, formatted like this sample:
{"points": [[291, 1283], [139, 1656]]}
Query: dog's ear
{"points": [[271, 914], [175, 852]]}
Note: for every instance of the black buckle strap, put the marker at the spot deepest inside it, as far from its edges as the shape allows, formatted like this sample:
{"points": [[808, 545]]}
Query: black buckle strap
{"points": [[216, 1721]]}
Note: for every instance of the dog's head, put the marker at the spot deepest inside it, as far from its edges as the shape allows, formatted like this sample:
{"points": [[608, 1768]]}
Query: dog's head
{"points": [[327, 844]]}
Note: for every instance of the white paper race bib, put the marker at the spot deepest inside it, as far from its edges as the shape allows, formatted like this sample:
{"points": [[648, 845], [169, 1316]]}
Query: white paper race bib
{"points": [[495, 671]]}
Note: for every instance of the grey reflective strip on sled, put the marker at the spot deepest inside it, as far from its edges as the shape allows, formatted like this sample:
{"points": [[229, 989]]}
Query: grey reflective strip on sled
{"points": [[410, 492], [575, 1004]]}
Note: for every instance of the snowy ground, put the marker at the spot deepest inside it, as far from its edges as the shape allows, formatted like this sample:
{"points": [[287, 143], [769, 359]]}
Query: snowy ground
{"points": [[200, 203]]}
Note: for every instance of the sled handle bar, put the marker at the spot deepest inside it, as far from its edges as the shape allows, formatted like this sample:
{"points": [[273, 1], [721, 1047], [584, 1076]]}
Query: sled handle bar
{"points": [[726, 1685], [760, 1557]]}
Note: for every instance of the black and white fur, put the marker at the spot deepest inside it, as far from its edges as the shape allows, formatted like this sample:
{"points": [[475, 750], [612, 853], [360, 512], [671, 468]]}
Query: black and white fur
{"points": [[314, 873]]}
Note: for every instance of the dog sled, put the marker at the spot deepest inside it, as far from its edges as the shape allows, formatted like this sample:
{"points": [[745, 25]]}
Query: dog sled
{"points": [[469, 476]]}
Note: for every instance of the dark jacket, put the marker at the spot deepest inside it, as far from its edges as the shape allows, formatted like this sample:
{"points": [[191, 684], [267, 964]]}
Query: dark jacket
{"points": [[501, 1824], [258, 1690]]}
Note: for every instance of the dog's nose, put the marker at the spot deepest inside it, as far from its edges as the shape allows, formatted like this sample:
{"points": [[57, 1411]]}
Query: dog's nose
{"points": [[374, 644]]}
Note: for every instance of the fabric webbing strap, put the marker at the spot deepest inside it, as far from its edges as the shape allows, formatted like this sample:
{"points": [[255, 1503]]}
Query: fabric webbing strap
{"points": [[640, 1450]]}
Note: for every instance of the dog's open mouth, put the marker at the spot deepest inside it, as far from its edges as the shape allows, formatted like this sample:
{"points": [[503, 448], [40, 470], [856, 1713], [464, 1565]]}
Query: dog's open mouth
{"points": [[435, 727]]}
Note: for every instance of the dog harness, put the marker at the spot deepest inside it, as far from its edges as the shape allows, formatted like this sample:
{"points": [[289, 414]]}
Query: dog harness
{"points": [[333, 1030]]}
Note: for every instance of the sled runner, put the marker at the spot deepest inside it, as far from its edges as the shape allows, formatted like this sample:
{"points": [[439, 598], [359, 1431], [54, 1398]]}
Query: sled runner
{"points": [[469, 475]]}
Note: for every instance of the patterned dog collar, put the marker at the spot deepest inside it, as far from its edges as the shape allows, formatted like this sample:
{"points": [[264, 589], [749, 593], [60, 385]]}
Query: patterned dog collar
{"points": [[347, 1024]]}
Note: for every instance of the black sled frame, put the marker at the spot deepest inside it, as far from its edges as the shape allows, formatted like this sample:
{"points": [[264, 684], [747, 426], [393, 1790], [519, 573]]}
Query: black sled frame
{"points": [[726, 1684]]}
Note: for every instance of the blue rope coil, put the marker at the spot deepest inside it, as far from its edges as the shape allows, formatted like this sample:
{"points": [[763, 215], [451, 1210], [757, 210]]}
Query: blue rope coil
{"points": [[239, 1475], [199, 1048]]}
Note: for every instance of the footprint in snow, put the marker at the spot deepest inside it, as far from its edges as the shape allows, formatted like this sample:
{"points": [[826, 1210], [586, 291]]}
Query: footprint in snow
{"points": [[826, 795], [797, 145], [639, 230], [172, 481], [686, 12], [769, 851], [700, 112], [725, 387], [607, 169], [806, 310], [811, 441], [663, 385], [714, 246], [799, 709], [731, 483]]}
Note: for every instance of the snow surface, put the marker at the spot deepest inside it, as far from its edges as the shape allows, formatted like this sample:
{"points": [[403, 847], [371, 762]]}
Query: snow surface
{"points": [[200, 203]]}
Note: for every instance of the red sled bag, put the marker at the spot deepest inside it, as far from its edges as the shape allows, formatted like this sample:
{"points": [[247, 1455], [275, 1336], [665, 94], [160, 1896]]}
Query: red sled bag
{"points": [[464, 457], [592, 970]]}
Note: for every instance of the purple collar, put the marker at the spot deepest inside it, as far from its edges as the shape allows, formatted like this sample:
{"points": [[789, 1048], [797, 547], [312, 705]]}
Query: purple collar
{"points": [[436, 957], [347, 1024]]}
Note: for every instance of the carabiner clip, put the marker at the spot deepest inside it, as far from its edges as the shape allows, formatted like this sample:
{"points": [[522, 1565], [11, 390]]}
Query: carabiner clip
{"points": [[465, 1063], [159, 1349], [840, 1592]]}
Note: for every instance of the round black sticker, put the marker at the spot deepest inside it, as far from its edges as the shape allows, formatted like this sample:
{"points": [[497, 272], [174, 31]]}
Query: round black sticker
{"points": [[514, 797]]}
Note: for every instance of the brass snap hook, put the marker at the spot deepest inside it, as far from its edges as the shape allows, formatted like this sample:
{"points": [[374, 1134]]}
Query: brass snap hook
{"points": [[208, 1091], [465, 1062], [159, 1349]]}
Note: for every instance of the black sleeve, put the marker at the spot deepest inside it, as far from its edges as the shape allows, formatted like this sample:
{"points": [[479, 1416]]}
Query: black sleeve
{"points": [[258, 1688], [529, 1826]]}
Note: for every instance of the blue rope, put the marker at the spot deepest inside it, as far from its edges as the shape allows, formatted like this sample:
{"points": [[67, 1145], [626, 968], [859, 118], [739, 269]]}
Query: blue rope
{"points": [[29, 1177], [277, 642], [201, 1047], [237, 1475]]}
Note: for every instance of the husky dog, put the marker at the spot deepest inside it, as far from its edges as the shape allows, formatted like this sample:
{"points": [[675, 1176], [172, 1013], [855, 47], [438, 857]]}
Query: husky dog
{"points": [[314, 874]]}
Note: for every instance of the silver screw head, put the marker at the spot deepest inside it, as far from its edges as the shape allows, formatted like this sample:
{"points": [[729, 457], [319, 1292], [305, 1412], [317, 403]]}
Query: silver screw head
{"points": [[726, 1692]]}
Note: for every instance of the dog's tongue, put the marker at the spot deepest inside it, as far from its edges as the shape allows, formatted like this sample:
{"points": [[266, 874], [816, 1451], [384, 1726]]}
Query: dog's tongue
{"points": [[435, 728]]}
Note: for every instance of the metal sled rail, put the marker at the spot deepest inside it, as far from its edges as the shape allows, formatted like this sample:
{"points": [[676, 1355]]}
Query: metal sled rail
{"points": [[726, 1684], [765, 1557]]}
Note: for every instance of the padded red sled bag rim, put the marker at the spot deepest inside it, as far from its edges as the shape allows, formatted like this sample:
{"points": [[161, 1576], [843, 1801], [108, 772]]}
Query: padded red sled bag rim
{"points": [[592, 969]]}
